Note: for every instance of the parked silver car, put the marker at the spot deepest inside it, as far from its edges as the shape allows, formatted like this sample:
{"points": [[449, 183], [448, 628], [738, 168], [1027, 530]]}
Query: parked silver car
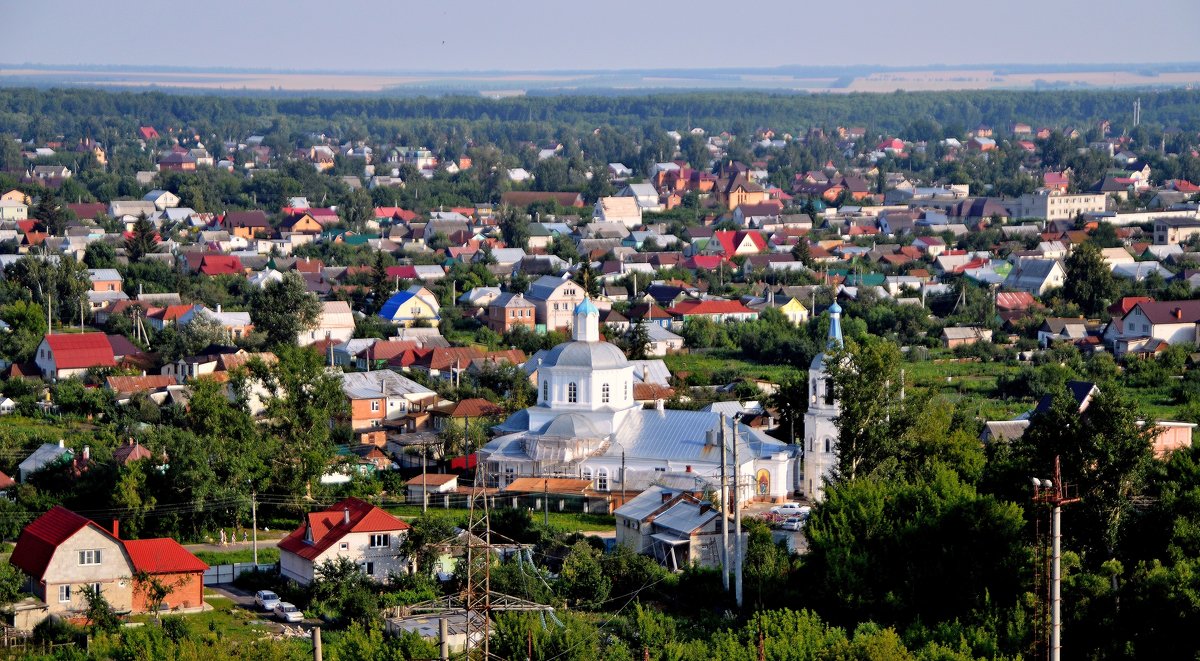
{"points": [[266, 600], [288, 613]]}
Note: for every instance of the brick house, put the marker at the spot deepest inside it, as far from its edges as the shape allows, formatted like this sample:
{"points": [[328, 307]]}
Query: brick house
{"points": [[508, 310]]}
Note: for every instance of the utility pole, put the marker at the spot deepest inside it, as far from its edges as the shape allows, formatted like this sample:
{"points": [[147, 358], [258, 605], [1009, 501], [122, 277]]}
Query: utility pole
{"points": [[424, 479], [546, 501], [724, 510], [1053, 492], [623, 475], [737, 520], [254, 524]]}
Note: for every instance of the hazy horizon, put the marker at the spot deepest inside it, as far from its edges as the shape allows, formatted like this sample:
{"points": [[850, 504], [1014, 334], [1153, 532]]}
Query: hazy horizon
{"points": [[548, 35]]}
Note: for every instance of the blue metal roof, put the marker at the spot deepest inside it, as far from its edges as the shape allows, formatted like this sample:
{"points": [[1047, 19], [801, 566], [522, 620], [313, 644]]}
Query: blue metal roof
{"points": [[391, 308]]}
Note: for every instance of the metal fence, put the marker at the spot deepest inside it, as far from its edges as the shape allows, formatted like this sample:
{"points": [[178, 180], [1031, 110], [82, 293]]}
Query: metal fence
{"points": [[227, 573]]}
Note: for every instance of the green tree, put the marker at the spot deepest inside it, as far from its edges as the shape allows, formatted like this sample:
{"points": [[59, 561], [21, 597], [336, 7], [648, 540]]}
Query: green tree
{"points": [[12, 584], [344, 592], [100, 255], [1089, 282], [637, 340], [51, 214], [142, 241], [99, 613], [26, 327], [514, 226], [582, 581], [284, 309]]}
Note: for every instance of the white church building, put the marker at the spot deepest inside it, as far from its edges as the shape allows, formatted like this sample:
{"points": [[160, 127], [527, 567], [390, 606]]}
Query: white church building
{"points": [[820, 427], [586, 424]]}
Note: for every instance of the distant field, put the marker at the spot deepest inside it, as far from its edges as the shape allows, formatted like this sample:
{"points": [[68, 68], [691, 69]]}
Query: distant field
{"points": [[507, 84]]}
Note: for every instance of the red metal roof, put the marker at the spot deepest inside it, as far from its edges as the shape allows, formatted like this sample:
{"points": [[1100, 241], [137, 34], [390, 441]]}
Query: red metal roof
{"points": [[162, 556], [41, 538], [329, 526], [221, 265], [81, 351], [687, 308]]}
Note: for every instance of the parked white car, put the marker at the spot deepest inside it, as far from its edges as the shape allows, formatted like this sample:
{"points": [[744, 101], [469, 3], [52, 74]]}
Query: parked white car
{"points": [[793, 523], [266, 600], [288, 612], [787, 509]]}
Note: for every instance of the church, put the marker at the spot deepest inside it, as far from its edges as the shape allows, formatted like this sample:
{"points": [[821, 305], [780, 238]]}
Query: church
{"points": [[820, 422], [586, 424]]}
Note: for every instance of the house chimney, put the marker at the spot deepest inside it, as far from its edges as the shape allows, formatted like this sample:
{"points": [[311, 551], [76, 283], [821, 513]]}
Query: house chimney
{"points": [[87, 453], [705, 507], [1178, 312], [346, 515], [667, 495], [116, 529], [658, 404], [218, 308], [687, 469]]}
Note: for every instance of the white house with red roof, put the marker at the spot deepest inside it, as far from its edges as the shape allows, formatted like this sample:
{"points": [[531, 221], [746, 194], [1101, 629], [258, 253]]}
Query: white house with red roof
{"points": [[348, 529], [61, 553], [1152, 325], [717, 310], [741, 242], [62, 356]]}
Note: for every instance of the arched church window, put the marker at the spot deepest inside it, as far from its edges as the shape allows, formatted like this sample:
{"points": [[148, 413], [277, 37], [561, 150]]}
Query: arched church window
{"points": [[572, 392], [829, 391], [827, 445], [604, 393], [546, 391]]}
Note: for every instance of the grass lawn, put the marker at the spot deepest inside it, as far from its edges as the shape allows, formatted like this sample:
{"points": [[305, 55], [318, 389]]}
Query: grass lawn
{"points": [[560, 521], [720, 361], [267, 553]]}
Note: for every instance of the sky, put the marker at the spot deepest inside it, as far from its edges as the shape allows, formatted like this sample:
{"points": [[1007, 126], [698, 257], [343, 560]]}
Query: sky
{"points": [[544, 35]]}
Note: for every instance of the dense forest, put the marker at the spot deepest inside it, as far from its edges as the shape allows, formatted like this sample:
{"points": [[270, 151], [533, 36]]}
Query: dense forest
{"points": [[35, 114]]}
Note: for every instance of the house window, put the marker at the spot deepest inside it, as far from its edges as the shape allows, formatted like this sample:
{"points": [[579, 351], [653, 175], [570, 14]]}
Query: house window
{"points": [[369, 568], [545, 391], [587, 473], [604, 393], [89, 557], [510, 474], [381, 540], [64, 593], [96, 589], [572, 393], [374, 406], [345, 546], [602, 479]]}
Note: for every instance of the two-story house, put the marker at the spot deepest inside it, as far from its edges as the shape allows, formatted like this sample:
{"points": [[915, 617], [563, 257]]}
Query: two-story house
{"points": [[62, 356], [335, 322], [350, 529], [61, 553], [555, 299], [509, 310], [1153, 323], [415, 305], [383, 395]]}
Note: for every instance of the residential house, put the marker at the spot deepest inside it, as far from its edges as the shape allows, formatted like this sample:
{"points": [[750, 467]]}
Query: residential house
{"points": [[1059, 329], [61, 553], [662, 341], [301, 222], [1052, 204], [352, 529], [509, 310], [624, 210], [161, 199], [13, 210], [675, 527], [1152, 324], [430, 484], [382, 396], [247, 224], [415, 305], [130, 210], [554, 299], [1035, 276], [335, 322], [716, 310], [741, 242], [956, 336], [61, 356], [45, 456], [237, 325], [1169, 231]]}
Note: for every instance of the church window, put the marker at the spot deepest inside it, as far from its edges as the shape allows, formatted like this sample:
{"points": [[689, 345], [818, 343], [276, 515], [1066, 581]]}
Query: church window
{"points": [[587, 473], [572, 392], [626, 390], [545, 391], [827, 445], [602, 479], [604, 390], [829, 391]]}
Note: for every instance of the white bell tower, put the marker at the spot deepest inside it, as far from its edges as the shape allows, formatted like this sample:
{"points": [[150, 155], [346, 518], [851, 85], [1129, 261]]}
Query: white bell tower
{"points": [[820, 430]]}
